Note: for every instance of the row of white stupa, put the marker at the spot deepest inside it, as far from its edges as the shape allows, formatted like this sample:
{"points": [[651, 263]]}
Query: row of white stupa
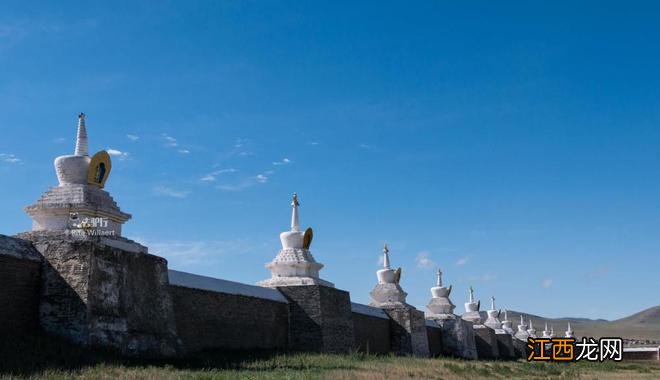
{"points": [[79, 196]]}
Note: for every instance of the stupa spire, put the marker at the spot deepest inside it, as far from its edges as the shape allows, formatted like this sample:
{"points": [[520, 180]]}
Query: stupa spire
{"points": [[492, 302], [295, 224], [82, 146], [386, 257], [439, 277], [471, 294]]}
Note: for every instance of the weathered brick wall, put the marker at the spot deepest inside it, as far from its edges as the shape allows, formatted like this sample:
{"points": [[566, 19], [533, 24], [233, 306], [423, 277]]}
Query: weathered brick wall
{"points": [[320, 318], [19, 287], [372, 334], [207, 319], [435, 340], [645, 354]]}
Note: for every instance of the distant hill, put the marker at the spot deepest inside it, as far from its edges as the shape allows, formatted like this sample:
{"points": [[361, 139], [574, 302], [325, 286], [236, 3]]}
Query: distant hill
{"points": [[644, 325]]}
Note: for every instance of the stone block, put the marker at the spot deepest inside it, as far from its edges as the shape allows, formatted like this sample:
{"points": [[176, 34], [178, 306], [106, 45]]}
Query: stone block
{"points": [[486, 342], [505, 346], [408, 331], [95, 294], [434, 334], [520, 348], [457, 338], [320, 319]]}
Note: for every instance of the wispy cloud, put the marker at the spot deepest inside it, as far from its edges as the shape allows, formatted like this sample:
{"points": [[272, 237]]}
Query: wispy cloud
{"points": [[213, 176], [183, 253], [170, 141], [424, 261], [284, 161], [117, 153], [261, 178], [462, 261], [132, 137], [169, 192], [183, 151], [312, 143], [365, 146], [59, 140], [546, 283], [9, 158]]}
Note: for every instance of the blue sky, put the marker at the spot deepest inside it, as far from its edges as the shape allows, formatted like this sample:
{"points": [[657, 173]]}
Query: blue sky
{"points": [[515, 145]]}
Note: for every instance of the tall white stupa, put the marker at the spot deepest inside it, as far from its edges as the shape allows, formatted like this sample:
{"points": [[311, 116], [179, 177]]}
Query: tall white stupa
{"points": [[79, 205], [522, 333], [294, 265], [472, 309], [569, 331], [531, 330], [440, 306], [493, 320], [388, 293], [506, 324]]}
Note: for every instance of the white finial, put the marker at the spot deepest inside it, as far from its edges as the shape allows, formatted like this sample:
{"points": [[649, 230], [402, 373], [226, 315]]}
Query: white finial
{"points": [[386, 257], [546, 326], [492, 302], [531, 324], [295, 226], [522, 321], [569, 326], [552, 329], [471, 292], [82, 147], [439, 277]]}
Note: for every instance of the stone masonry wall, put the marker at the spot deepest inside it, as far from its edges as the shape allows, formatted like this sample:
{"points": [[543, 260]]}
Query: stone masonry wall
{"points": [[207, 319], [97, 295], [434, 334], [372, 334], [19, 287]]}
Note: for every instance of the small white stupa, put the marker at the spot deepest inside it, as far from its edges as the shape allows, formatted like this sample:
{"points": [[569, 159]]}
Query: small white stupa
{"points": [[522, 333], [547, 334], [569, 332], [78, 204], [531, 331], [506, 324], [294, 265], [493, 320], [472, 309], [388, 293], [440, 306]]}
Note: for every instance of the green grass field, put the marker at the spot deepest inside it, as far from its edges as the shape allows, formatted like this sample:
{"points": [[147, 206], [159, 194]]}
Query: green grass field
{"points": [[43, 358]]}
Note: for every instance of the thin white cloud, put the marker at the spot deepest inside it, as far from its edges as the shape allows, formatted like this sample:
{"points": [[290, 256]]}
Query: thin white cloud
{"points": [[462, 261], [261, 178], [213, 176], [546, 283], [117, 153], [284, 161], [184, 253], [59, 140], [170, 141], [424, 261], [183, 151], [132, 137], [169, 192], [365, 146], [9, 158], [312, 143]]}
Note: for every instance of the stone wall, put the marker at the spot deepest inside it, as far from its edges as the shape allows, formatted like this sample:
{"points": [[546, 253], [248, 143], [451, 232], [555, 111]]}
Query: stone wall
{"points": [[220, 314], [19, 287], [320, 319], [645, 353], [371, 327], [98, 295], [434, 334]]}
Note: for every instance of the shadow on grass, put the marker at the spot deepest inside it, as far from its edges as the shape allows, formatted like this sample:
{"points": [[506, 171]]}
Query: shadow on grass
{"points": [[32, 355]]}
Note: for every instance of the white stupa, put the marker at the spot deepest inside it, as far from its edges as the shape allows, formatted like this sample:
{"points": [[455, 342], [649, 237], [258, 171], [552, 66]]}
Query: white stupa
{"points": [[294, 265], [522, 333], [531, 330], [493, 320], [388, 293], [506, 324], [440, 306], [472, 309], [78, 204], [569, 332], [546, 333]]}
